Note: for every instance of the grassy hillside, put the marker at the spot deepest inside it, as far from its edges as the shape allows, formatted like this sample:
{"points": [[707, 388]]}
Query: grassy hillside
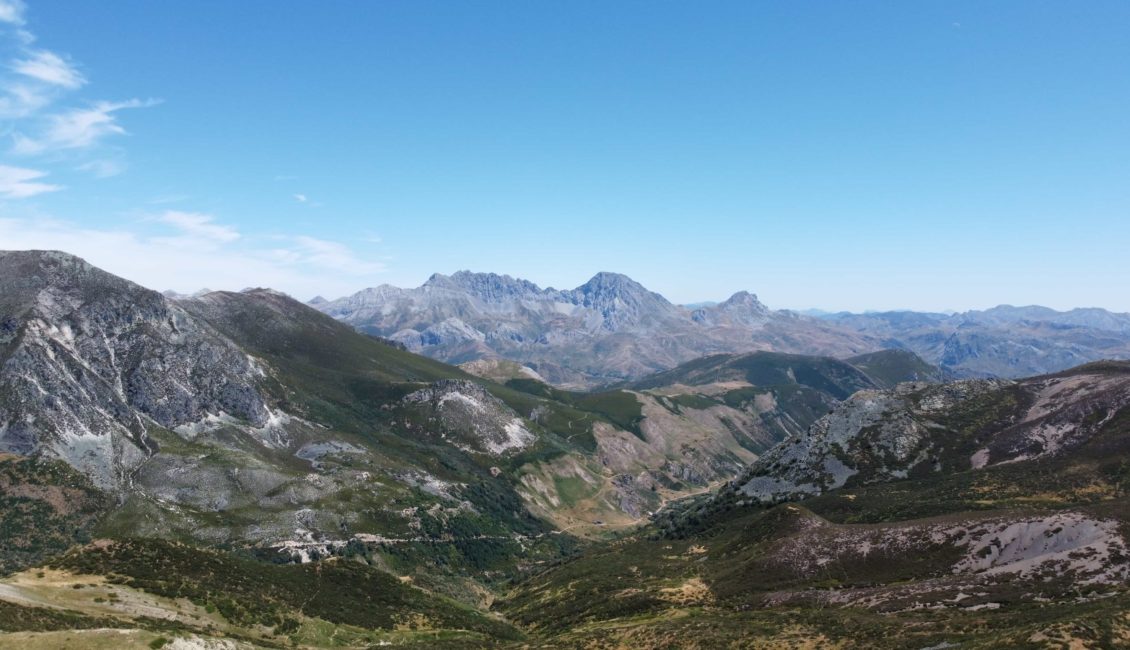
{"points": [[890, 367]]}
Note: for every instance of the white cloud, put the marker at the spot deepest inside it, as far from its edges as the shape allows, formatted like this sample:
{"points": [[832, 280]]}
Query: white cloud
{"points": [[200, 226], [50, 68], [20, 183], [38, 109], [301, 198], [12, 12], [22, 100], [332, 256], [300, 266], [77, 128]]}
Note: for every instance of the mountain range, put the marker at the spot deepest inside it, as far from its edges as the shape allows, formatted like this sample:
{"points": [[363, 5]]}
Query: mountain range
{"points": [[607, 330], [251, 418], [241, 470], [611, 329]]}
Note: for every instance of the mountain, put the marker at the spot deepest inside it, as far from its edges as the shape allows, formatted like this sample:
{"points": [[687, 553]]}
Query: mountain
{"points": [[1005, 341], [91, 362], [608, 330], [974, 514]]}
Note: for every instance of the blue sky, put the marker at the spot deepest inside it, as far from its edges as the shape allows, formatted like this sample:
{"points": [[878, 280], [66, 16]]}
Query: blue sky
{"points": [[863, 155]]}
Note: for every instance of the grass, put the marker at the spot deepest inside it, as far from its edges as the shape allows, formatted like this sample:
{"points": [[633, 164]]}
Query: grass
{"points": [[250, 593]]}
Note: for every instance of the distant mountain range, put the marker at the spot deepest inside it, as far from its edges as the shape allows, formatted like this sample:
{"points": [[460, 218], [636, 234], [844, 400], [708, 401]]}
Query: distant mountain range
{"points": [[1004, 341], [608, 330], [612, 329]]}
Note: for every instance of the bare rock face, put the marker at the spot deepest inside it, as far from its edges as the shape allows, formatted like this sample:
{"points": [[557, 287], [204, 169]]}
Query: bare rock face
{"points": [[88, 361], [470, 418]]}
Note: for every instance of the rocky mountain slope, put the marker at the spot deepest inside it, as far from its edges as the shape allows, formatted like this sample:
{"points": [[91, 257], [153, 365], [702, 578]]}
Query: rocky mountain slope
{"points": [[609, 329], [918, 429], [91, 362]]}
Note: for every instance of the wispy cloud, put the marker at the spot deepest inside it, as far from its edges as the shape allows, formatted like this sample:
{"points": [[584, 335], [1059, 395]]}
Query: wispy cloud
{"points": [[50, 68], [198, 225], [184, 251], [78, 128], [40, 113], [21, 183], [301, 198], [333, 256], [20, 100], [12, 12]]}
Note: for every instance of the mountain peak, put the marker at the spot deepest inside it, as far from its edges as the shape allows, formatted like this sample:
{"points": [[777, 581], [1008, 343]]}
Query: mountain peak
{"points": [[611, 285], [742, 308], [608, 278], [744, 299]]}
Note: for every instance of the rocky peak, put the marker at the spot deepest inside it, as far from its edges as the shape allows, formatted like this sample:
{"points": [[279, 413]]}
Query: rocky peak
{"points": [[742, 308], [622, 302], [744, 300], [611, 285]]}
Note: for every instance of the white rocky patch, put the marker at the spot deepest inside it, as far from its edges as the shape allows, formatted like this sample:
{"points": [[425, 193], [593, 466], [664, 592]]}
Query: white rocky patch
{"points": [[1064, 543], [210, 422], [979, 459], [517, 437], [465, 400]]}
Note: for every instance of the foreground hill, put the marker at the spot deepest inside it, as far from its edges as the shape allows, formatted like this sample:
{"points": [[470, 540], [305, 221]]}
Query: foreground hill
{"points": [[1023, 546], [971, 514]]}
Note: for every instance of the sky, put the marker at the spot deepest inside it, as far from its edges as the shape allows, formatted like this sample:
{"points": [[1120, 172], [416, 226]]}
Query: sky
{"points": [[843, 156]]}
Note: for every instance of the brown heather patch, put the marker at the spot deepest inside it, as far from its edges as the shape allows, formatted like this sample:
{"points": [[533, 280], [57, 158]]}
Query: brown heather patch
{"points": [[692, 592]]}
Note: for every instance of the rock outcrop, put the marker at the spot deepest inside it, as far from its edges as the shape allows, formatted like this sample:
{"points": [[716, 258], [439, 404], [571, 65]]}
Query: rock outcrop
{"points": [[89, 361]]}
